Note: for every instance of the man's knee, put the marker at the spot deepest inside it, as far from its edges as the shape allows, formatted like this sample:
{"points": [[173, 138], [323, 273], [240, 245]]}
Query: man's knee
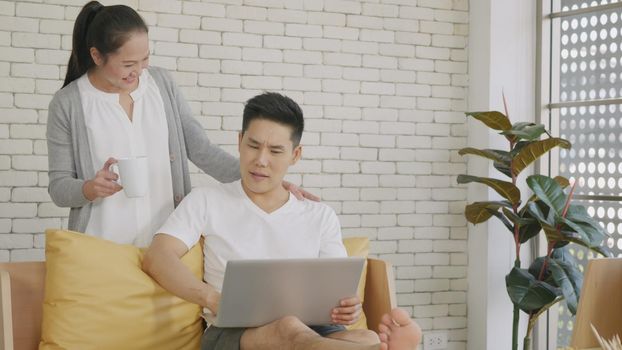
{"points": [[359, 336], [368, 337], [279, 334], [289, 327]]}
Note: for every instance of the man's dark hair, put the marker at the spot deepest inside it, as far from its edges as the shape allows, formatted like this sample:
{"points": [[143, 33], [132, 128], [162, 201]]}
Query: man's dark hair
{"points": [[277, 108]]}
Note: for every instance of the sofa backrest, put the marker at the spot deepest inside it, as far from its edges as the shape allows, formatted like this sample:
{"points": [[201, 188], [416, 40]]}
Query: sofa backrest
{"points": [[22, 289], [24, 283]]}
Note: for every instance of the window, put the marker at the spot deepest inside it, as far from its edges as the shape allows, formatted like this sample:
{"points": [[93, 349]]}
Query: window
{"points": [[580, 70]]}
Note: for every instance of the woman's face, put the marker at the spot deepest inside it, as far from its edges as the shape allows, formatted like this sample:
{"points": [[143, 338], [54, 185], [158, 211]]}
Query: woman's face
{"points": [[120, 70]]}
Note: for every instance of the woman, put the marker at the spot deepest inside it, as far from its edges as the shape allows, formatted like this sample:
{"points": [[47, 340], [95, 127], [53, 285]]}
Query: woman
{"points": [[112, 105]]}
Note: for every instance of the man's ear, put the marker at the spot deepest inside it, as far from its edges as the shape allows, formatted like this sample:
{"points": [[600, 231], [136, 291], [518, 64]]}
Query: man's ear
{"points": [[297, 154], [96, 56], [240, 135]]}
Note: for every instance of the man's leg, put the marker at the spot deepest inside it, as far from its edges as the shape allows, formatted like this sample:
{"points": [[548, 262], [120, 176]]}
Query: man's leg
{"points": [[398, 332], [290, 333], [361, 336]]}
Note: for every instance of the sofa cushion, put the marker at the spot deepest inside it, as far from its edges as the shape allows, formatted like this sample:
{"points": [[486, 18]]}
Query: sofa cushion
{"points": [[98, 297], [359, 246]]}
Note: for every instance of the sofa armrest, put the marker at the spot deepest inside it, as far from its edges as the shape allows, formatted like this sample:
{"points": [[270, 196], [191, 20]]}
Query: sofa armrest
{"points": [[379, 291], [22, 285], [6, 315]]}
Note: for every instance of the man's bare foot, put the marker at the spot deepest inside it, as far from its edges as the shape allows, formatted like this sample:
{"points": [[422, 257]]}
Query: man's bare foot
{"points": [[398, 331]]}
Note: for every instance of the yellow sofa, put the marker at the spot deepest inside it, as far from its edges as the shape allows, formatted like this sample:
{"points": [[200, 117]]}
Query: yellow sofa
{"points": [[22, 294]]}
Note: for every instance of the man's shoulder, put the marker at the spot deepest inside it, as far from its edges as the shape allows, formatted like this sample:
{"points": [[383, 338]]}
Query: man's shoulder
{"points": [[218, 191], [317, 208]]}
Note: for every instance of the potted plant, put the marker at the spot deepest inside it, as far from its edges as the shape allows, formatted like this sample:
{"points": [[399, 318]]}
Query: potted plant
{"points": [[555, 276]]}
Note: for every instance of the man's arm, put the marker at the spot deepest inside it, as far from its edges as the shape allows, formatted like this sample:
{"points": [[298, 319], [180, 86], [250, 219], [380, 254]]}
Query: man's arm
{"points": [[349, 310], [163, 263]]}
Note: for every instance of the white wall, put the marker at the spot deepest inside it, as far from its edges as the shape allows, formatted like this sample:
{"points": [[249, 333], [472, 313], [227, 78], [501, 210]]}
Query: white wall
{"points": [[501, 59], [382, 84]]}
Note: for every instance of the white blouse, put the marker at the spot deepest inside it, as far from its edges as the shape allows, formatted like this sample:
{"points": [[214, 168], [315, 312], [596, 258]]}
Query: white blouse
{"points": [[112, 134]]}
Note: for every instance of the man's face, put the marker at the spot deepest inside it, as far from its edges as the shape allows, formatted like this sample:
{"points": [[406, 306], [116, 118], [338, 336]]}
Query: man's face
{"points": [[266, 152]]}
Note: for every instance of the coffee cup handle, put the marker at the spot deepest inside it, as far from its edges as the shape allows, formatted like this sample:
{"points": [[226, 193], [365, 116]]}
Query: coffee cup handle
{"points": [[115, 169]]}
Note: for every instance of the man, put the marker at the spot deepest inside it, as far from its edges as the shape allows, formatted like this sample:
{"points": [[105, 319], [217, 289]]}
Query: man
{"points": [[257, 218]]}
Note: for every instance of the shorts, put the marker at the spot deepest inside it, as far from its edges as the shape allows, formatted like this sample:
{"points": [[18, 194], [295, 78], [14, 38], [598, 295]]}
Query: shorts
{"points": [[216, 338], [328, 329]]}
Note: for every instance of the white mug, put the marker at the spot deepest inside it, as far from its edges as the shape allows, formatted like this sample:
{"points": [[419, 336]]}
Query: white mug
{"points": [[133, 176]]}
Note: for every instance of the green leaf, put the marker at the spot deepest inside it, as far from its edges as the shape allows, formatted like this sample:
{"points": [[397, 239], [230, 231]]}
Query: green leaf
{"points": [[604, 251], [503, 168], [503, 220], [503, 165], [479, 212], [506, 189], [578, 213], [528, 225], [519, 146], [536, 267], [493, 119], [569, 279], [537, 212], [525, 131], [561, 244], [535, 150], [516, 219], [527, 292], [562, 181], [548, 191], [564, 255], [486, 153], [584, 234], [562, 237], [553, 234], [547, 223], [529, 230], [534, 317]]}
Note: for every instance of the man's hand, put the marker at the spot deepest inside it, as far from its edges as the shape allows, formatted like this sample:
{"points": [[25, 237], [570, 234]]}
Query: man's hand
{"points": [[348, 311], [212, 300]]}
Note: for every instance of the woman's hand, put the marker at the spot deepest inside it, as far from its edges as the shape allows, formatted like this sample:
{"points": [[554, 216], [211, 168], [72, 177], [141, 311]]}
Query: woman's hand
{"points": [[104, 184], [299, 192]]}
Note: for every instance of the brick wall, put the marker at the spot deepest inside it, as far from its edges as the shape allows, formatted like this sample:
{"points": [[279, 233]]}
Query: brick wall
{"points": [[382, 84]]}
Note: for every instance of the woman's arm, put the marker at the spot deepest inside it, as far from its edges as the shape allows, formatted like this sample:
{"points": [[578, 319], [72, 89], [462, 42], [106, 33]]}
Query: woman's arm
{"points": [[64, 187], [212, 159]]}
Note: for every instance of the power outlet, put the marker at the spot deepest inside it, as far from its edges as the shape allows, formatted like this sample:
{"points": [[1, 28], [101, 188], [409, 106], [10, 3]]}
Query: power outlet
{"points": [[435, 341]]}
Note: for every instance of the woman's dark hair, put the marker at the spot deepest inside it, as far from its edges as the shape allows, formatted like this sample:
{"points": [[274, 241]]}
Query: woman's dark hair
{"points": [[277, 108], [106, 28]]}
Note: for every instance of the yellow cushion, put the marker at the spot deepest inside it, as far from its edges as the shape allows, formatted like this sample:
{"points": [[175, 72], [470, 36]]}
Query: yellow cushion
{"points": [[359, 246], [98, 297]]}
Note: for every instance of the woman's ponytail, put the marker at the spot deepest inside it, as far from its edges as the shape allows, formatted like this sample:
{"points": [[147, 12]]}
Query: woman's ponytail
{"points": [[80, 60], [105, 28]]}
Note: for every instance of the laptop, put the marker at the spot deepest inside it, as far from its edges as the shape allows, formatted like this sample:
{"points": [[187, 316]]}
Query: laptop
{"points": [[257, 292]]}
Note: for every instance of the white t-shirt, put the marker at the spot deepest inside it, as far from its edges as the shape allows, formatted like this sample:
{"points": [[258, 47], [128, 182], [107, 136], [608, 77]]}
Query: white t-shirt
{"points": [[236, 228], [112, 134]]}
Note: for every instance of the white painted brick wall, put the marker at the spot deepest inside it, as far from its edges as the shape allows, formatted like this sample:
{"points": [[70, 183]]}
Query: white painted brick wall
{"points": [[383, 84]]}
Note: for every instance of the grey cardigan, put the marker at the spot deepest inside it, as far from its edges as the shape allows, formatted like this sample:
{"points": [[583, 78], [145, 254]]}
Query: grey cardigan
{"points": [[69, 155]]}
